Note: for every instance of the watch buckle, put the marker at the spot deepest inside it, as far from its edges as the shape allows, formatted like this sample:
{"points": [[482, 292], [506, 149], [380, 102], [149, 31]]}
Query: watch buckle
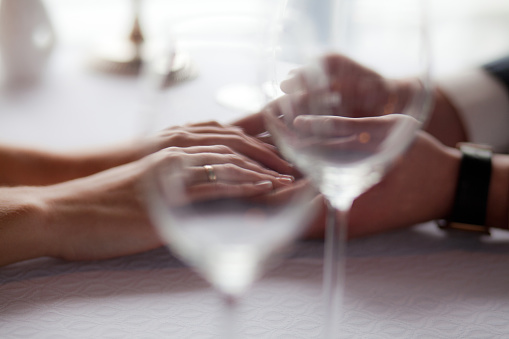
{"points": [[478, 229]]}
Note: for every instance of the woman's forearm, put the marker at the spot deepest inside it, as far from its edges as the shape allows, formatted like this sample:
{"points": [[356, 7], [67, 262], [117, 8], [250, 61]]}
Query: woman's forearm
{"points": [[95, 217], [33, 167], [22, 224]]}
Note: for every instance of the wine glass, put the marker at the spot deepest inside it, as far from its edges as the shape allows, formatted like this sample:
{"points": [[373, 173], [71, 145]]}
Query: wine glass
{"points": [[229, 237], [206, 202], [359, 94]]}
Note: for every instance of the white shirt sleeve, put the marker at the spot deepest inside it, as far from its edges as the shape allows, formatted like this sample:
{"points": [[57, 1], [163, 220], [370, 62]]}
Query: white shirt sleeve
{"points": [[483, 104]]}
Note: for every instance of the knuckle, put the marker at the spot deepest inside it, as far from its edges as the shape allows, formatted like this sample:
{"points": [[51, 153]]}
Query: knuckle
{"points": [[230, 167], [212, 123], [182, 137], [175, 159], [224, 149], [232, 158], [172, 150], [236, 130]]}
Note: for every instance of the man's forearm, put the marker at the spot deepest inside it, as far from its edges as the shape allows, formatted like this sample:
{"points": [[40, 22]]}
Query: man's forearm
{"points": [[445, 123], [498, 198]]}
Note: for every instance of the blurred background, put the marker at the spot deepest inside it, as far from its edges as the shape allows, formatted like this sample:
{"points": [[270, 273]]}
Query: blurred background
{"points": [[476, 29], [75, 104]]}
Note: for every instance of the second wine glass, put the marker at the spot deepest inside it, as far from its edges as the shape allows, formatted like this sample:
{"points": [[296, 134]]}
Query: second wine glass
{"points": [[359, 93]]}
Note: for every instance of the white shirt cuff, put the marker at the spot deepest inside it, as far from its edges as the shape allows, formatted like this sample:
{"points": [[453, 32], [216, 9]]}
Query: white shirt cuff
{"points": [[483, 105]]}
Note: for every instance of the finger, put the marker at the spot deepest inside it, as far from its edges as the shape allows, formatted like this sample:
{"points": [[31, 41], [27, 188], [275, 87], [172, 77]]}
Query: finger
{"points": [[292, 83], [233, 173], [361, 134], [200, 159], [251, 125], [215, 129], [330, 126], [220, 132], [228, 190], [253, 149], [210, 123], [285, 109], [308, 78], [334, 126], [220, 149], [218, 154], [234, 138], [285, 194], [230, 173], [293, 105], [266, 138], [209, 133]]}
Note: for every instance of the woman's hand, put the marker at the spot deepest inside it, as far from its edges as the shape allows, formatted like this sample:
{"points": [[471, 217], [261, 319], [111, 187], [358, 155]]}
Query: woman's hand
{"points": [[24, 166], [213, 133], [234, 175], [103, 215]]}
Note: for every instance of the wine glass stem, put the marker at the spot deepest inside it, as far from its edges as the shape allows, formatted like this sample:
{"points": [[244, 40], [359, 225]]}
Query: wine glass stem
{"points": [[333, 279], [230, 317]]}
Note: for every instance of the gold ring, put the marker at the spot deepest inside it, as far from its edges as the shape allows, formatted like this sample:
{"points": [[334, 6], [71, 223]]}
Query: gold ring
{"points": [[211, 175]]}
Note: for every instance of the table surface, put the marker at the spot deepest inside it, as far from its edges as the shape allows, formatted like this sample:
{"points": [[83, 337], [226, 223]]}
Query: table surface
{"points": [[413, 283]]}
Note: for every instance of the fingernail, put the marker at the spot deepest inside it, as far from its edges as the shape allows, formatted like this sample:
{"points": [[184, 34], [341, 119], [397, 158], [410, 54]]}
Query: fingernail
{"points": [[286, 179], [269, 146], [265, 184]]}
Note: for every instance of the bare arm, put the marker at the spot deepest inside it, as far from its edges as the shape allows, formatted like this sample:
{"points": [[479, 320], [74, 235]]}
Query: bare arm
{"points": [[34, 167], [445, 123], [22, 224], [419, 188], [24, 166], [103, 216]]}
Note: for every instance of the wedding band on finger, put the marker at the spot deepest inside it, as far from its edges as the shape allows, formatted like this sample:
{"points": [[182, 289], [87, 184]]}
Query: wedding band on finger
{"points": [[211, 174]]}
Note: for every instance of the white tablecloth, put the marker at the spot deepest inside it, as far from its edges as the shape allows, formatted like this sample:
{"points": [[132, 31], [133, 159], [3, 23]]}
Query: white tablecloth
{"points": [[413, 283]]}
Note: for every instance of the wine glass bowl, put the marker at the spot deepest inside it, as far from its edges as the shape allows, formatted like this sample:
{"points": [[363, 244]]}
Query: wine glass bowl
{"points": [[344, 138], [228, 238]]}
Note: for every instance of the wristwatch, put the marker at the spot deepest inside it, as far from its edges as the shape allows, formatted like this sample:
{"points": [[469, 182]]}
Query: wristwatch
{"points": [[471, 200]]}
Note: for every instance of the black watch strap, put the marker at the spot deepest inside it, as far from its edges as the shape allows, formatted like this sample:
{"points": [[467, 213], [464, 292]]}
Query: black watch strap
{"points": [[470, 204]]}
